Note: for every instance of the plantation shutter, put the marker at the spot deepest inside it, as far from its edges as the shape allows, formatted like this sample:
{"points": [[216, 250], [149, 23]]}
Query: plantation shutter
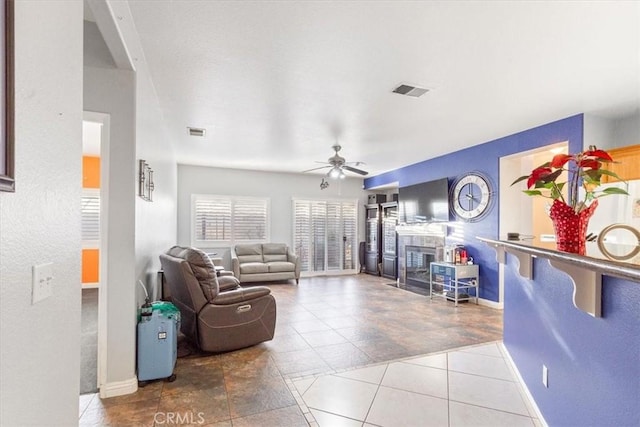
{"points": [[334, 236], [318, 231], [90, 214], [325, 233], [226, 220], [350, 222], [212, 219], [302, 237], [249, 220]]}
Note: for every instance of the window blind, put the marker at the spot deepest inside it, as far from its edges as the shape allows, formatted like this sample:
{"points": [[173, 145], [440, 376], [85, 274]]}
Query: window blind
{"points": [[222, 219], [325, 233], [90, 214]]}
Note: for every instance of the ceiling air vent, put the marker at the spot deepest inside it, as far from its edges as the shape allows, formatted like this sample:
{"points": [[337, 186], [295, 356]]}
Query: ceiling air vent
{"points": [[408, 90], [196, 131]]}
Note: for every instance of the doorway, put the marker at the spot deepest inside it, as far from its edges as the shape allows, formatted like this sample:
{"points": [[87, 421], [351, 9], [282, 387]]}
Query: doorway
{"points": [[520, 213], [325, 236], [94, 179]]}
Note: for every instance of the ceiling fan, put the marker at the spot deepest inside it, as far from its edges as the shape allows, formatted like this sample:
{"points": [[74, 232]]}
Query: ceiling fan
{"points": [[338, 165]]}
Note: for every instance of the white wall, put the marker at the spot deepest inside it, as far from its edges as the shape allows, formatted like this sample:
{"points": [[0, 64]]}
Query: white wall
{"points": [[598, 131], [279, 187], [627, 131], [96, 52], [611, 133], [138, 230], [156, 222], [112, 91], [40, 222]]}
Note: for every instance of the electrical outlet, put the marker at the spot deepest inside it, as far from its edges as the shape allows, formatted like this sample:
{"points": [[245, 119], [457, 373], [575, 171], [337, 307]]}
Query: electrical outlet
{"points": [[42, 282], [545, 376]]}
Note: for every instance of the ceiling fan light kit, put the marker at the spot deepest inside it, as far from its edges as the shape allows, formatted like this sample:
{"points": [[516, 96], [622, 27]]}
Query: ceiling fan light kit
{"points": [[339, 165]]}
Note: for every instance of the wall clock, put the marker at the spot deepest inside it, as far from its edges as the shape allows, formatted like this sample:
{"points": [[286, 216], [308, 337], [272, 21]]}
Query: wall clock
{"points": [[472, 196]]}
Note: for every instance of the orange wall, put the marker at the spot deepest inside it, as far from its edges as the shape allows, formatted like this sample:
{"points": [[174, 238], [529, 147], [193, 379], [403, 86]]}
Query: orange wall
{"points": [[90, 266], [90, 172], [90, 257]]}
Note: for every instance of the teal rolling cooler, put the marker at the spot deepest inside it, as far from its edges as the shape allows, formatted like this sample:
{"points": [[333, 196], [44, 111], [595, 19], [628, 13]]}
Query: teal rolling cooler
{"points": [[157, 342]]}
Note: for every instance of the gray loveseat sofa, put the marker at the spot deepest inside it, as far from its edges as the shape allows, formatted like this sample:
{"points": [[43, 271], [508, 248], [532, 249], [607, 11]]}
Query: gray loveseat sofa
{"points": [[262, 262]]}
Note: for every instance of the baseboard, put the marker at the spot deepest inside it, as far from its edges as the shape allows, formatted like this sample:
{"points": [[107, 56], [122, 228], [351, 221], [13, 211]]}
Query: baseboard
{"points": [[522, 383], [119, 388], [489, 303], [310, 274]]}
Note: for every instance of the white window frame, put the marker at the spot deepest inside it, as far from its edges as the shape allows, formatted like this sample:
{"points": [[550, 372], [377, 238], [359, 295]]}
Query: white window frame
{"points": [[232, 241]]}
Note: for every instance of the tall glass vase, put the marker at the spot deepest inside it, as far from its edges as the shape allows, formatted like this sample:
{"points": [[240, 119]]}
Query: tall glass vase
{"points": [[571, 227]]}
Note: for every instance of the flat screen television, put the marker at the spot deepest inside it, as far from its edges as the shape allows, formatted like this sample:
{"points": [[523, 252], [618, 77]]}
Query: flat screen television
{"points": [[424, 202]]}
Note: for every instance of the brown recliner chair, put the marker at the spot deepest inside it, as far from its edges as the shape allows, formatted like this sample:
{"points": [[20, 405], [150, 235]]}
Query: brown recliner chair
{"points": [[216, 313]]}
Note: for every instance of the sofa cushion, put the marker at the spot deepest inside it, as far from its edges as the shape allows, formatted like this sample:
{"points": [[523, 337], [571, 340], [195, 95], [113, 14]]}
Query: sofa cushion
{"points": [[243, 259], [274, 252], [202, 268], [281, 266], [253, 268], [249, 253]]}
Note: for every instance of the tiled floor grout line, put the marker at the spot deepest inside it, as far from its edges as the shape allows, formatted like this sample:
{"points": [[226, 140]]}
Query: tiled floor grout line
{"points": [[448, 391], [226, 391], [448, 399], [359, 344], [375, 394]]}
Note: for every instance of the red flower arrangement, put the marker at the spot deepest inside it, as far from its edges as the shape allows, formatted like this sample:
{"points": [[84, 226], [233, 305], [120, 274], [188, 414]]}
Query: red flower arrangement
{"points": [[587, 169]]}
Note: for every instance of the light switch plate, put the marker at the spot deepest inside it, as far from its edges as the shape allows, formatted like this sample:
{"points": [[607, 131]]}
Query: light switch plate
{"points": [[42, 282]]}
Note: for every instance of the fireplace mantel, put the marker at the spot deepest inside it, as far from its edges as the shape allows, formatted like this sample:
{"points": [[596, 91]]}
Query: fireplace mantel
{"points": [[426, 229]]}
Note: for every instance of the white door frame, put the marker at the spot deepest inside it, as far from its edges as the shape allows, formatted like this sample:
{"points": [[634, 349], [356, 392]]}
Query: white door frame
{"points": [[104, 120]]}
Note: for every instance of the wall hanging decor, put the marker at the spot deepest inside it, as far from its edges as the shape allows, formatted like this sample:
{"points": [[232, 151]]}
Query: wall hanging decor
{"points": [[7, 161], [145, 181]]}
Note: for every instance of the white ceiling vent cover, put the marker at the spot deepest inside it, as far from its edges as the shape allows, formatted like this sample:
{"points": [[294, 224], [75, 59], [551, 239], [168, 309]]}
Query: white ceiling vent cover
{"points": [[196, 131], [408, 90]]}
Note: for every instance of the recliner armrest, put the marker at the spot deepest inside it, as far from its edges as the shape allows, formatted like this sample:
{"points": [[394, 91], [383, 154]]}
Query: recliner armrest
{"points": [[228, 283], [241, 295]]}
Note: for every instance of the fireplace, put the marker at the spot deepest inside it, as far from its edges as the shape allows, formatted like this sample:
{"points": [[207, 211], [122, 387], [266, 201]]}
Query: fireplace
{"points": [[418, 246], [418, 259]]}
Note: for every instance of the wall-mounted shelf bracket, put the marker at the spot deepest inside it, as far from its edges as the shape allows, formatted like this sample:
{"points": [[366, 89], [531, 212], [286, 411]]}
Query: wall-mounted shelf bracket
{"points": [[501, 256], [585, 272], [525, 267], [587, 287], [524, 260]]}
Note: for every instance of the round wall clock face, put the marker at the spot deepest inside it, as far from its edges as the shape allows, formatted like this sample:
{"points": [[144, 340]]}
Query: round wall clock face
{"points": [[471, 196]]}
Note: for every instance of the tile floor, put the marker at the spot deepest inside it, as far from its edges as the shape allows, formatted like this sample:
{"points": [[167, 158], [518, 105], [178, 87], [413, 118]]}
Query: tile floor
{"points": [[470, 386], [326, 327]]}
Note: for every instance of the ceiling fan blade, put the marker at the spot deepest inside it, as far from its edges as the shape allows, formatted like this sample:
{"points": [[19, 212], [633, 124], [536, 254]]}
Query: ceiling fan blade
{"points": [[354, 170], [315, 169]]}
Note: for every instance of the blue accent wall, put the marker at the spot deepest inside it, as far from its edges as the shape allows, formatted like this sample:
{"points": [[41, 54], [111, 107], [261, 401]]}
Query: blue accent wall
{"points": [[594, 363], [485, 158]]}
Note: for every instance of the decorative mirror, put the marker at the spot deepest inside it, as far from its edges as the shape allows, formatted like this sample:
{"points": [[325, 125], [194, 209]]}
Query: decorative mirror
{"points": [[619, 242], [145, 183]]}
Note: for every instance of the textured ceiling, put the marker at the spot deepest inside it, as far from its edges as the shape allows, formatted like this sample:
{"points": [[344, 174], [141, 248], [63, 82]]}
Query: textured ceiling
{"points": [[276, 84]]}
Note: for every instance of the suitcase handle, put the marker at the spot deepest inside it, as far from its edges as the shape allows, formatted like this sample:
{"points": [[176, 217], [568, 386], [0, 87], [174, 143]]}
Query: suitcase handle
{"points": [[243, 308]]}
